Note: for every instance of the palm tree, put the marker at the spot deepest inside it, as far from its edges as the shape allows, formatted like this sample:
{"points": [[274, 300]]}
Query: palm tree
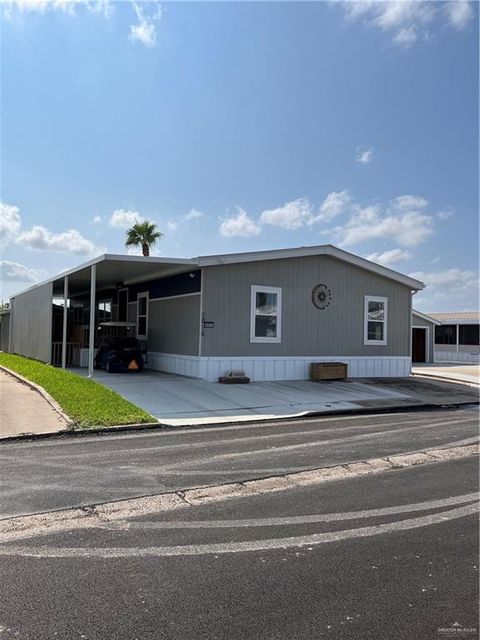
{"points": [[143, 234]]}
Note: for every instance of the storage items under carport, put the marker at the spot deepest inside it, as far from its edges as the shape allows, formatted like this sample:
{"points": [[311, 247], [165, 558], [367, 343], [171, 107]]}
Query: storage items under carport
{"points": [[119, 351]]}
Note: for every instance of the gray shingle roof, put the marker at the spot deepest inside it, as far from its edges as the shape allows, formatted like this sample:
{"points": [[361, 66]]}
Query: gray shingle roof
{"points": [[456, 316]]}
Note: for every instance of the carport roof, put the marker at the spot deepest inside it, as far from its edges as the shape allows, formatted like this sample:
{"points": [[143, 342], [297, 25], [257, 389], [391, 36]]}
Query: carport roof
{"points": [[114, 269]]}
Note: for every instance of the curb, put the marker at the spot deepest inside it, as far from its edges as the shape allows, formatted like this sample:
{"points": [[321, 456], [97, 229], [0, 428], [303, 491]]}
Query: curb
{"points": [[151, 426]]}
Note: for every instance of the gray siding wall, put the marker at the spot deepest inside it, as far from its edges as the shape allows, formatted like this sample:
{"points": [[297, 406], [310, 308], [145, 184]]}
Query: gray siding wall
{"points": [[132, 312], [31, 323], [174, 324], [4, 331], [420, 322], [306, 330]]}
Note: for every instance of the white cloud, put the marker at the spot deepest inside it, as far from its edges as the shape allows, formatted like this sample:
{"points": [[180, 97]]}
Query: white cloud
{"points": [[16, 272], [408, 229], [408, 21], [99, 7], [96, 219], [404, 203], [123, 218], [38, 237], [10, 223], [406, 37], [389, 257], [459, 13], [145, 31], [293, 215], [445, 214], [450, 290], [172, 225], [403, 221], [457, 278], [194, 215], [336, 203], [364, 155], [42, 6], [239, 225], [70, 241]]}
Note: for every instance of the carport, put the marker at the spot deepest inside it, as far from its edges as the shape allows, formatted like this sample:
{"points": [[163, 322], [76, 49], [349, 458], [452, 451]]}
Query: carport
{"points": [[36, 311]]}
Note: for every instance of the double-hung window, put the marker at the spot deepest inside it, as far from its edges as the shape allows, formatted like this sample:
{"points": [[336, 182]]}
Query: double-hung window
{"points": [[265, 314], [375, 320], [142, 316]]}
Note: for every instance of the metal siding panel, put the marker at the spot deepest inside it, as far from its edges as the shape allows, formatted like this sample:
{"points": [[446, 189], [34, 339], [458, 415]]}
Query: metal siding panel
{"points": [[132, 312], [4, 331], [306, 330], [420, 322], [32, 323], [173, 325]]}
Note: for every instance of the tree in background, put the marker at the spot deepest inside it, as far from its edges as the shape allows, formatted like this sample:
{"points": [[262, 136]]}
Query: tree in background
{"points": [[143, 234]]}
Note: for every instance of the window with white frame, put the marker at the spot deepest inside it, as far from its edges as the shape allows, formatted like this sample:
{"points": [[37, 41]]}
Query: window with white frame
{"points": [[265, 314], [104, 310], [375, 327], [142, 316]]}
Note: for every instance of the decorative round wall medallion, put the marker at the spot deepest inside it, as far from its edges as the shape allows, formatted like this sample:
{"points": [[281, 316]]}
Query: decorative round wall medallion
{"points": [[321, 296]]}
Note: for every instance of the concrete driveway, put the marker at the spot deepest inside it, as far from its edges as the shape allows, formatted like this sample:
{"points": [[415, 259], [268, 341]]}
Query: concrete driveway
{"points": [[458, 372], [176, 400]]}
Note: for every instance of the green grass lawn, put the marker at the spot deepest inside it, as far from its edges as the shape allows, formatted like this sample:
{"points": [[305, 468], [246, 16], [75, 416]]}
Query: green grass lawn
{"points": [[86, 402]]}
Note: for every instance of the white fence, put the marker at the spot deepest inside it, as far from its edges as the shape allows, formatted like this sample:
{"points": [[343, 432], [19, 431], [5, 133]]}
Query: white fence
{"points": [[73, 354]]}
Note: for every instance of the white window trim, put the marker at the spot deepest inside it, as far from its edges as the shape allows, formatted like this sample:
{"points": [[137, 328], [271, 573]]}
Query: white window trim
{"points": [[368, 299], [146, 295], [255, 288]]}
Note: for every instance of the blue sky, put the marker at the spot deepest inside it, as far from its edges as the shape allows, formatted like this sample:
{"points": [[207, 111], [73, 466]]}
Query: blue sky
{"points": [[243, 126]]}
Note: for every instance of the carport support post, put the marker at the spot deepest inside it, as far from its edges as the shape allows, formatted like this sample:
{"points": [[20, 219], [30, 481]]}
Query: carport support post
{"points": [[65, 320], [91, 332]]}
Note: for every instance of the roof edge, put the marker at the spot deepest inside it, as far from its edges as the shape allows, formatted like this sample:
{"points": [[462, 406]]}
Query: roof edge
{"points": [[426, 317], [106, 257], [300, 252]]}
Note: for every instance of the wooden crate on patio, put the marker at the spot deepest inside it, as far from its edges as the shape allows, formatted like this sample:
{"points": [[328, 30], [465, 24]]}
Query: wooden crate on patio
{"points": [[328, 371]]}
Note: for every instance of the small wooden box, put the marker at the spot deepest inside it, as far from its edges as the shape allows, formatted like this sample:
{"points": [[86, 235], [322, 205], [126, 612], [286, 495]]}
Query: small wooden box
{"points": [[328, 371], [234, 380]]}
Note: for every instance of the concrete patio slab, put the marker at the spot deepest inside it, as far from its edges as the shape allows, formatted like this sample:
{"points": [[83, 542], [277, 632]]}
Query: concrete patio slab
{"points": [[178, 401]]}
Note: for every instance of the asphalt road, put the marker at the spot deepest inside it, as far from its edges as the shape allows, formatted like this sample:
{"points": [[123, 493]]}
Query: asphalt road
{"points": [[390, 556], [73, 471]]}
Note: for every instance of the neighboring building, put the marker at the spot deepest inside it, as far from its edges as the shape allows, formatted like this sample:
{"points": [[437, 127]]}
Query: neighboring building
{"points": [[269, 313], [457, 336], [423, 335], [4, 328]]}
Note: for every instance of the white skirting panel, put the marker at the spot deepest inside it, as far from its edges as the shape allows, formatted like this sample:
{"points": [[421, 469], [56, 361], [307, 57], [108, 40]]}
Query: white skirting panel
{"points": [[283, 368], [174, 363], [453, 356]]}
